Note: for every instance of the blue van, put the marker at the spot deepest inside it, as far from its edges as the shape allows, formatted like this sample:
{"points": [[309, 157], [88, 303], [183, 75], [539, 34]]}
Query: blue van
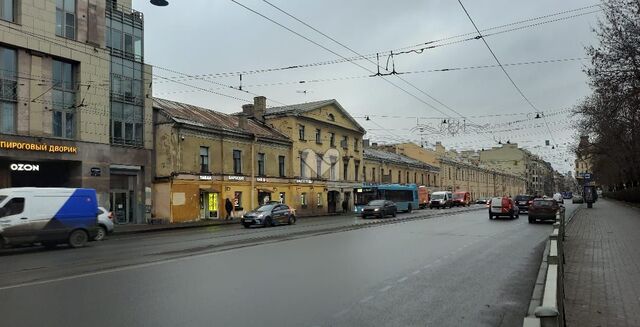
{"points": [[50, 216]]}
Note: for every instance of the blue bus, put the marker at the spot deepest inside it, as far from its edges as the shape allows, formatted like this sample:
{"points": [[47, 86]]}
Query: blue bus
{"points": [[404, 196]]}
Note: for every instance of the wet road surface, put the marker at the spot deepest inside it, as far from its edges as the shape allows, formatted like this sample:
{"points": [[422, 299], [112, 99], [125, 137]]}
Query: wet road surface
{"points": [[456, 270]]}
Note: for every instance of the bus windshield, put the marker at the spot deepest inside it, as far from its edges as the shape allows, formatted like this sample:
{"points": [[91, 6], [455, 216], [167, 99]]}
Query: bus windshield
{"points": [[437, 196]]}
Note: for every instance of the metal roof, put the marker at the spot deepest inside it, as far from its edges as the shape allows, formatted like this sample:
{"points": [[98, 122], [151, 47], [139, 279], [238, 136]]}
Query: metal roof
{"points": [[380, 155], [188, 114]]}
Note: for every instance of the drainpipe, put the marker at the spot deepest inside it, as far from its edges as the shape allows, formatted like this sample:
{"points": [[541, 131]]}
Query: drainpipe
{"points": [[253, 171]]}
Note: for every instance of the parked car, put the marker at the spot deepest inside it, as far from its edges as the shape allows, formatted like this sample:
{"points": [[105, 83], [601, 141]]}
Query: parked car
{"points": [[482, 200], [543, 209], [105, 224], [442, 199], [503, 207], [461, 199], [49, 216], [577, 199], [380, 208], [567, 195], [523, 202], [269, 215]]}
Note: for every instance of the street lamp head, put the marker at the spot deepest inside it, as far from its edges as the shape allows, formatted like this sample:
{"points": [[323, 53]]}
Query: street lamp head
{"points": [[160, 3]]}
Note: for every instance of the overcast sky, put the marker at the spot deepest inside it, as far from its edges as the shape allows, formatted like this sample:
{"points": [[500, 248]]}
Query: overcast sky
{"points": [[198, 37]]}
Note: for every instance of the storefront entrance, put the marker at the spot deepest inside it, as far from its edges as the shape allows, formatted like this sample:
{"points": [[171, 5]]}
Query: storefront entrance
{"points": [[18, 173], [333, 198], [122, 206], [264, 197], [209, 204]]}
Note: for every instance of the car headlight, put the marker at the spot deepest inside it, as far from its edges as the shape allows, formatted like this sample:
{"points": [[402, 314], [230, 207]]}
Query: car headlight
{"points": [[376, 209]]}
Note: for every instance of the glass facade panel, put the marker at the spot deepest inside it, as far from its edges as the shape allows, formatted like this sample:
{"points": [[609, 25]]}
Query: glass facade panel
{"points": [[6, 10], [7, 117]]}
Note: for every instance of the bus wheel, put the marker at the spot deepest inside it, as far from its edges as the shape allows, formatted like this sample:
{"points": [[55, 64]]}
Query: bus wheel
{"points": [[409, 209]]}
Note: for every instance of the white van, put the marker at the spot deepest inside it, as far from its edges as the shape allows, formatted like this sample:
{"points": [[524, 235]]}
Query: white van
{"points": [[48, 215], [442, 199]]}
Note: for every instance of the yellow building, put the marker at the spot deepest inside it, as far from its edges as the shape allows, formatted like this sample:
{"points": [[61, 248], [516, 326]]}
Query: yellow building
{"points": [[326, 155], [383, 167], [459, 174], [204, 157]]}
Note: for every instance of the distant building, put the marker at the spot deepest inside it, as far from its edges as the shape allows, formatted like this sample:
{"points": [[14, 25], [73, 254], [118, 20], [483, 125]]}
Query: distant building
{"points": [[583, 163]]}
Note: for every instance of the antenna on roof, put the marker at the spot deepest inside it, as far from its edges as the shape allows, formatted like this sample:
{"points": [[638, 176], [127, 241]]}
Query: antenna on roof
{"points": [[305, 93]]}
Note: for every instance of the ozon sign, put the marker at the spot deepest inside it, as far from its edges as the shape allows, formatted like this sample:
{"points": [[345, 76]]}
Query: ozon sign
{"points": [[24, 167]]}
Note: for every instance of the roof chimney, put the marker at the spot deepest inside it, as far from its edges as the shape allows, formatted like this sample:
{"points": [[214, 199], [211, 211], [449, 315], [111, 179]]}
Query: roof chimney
{"points": [[247, 110], [259, 107], [242, 121]]}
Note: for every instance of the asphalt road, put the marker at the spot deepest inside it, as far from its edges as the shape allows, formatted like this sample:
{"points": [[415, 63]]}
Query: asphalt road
{"points": [[459, 269]]}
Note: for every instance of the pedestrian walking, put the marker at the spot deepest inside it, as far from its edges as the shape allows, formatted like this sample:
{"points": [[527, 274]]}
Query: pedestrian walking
{"points": [[345, 206], [228, 206]]}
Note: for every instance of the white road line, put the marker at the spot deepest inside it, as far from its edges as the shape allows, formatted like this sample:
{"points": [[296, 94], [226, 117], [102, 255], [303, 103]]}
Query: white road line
{"points": [[402, 279], [366, 299], [416, 272], [426, 266], [386, 288]]}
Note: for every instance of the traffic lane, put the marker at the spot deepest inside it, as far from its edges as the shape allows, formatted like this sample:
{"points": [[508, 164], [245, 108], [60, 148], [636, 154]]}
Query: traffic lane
{"points": [[441, 270], [40, 263]]}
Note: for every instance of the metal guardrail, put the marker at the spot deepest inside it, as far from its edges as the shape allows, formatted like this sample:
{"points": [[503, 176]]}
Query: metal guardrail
{"points": [[549, 311]]}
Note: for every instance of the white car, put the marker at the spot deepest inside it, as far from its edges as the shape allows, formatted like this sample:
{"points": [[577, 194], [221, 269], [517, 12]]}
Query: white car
{"points": [[559, 198], [105, 224]]}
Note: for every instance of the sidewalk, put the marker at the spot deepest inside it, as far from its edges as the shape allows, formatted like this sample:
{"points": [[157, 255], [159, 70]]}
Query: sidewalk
{"points": [[602, 271]]}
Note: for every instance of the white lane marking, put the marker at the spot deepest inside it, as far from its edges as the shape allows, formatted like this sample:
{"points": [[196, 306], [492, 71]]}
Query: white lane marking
{"points": [[386, 288], [426, 266], [402, 279], [366, 299], [416, 272]]}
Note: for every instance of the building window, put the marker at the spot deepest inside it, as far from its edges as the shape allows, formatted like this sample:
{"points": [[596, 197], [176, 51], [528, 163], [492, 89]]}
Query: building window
{"points": [[333, 171], [318, 166], [318, 136], [344, 143], [281, 166], [237, 162], [66, 18], [373, 174], [8, 90], [422, 179], [345, 171], [364, 173], [303, 199], [7, 10], [124, 32], [301, 132], [303, 168], [127, 99], [332, 139], [318, 199], [331, 117], [261, 164], [415, 178], [356, 170], [399, 177], [204, 159], [355, 144], [64, 99]]}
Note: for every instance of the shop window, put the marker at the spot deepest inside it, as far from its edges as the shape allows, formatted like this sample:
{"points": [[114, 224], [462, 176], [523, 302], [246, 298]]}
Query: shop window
{"points": [[204, 159], [7, 10], [64, 99], [237, 201], [282, 197], [281, 166], [14, 206], [237, 162], [319, 200], [303, 199], [261, 164]]}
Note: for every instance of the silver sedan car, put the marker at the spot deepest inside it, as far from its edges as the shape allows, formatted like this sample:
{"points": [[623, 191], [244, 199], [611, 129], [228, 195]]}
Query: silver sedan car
{"points": [[269, 215]]}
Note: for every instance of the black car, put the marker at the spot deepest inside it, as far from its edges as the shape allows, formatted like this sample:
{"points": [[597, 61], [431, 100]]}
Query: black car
{"points": [[269, 215], [523, 202], [379, 208]]}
